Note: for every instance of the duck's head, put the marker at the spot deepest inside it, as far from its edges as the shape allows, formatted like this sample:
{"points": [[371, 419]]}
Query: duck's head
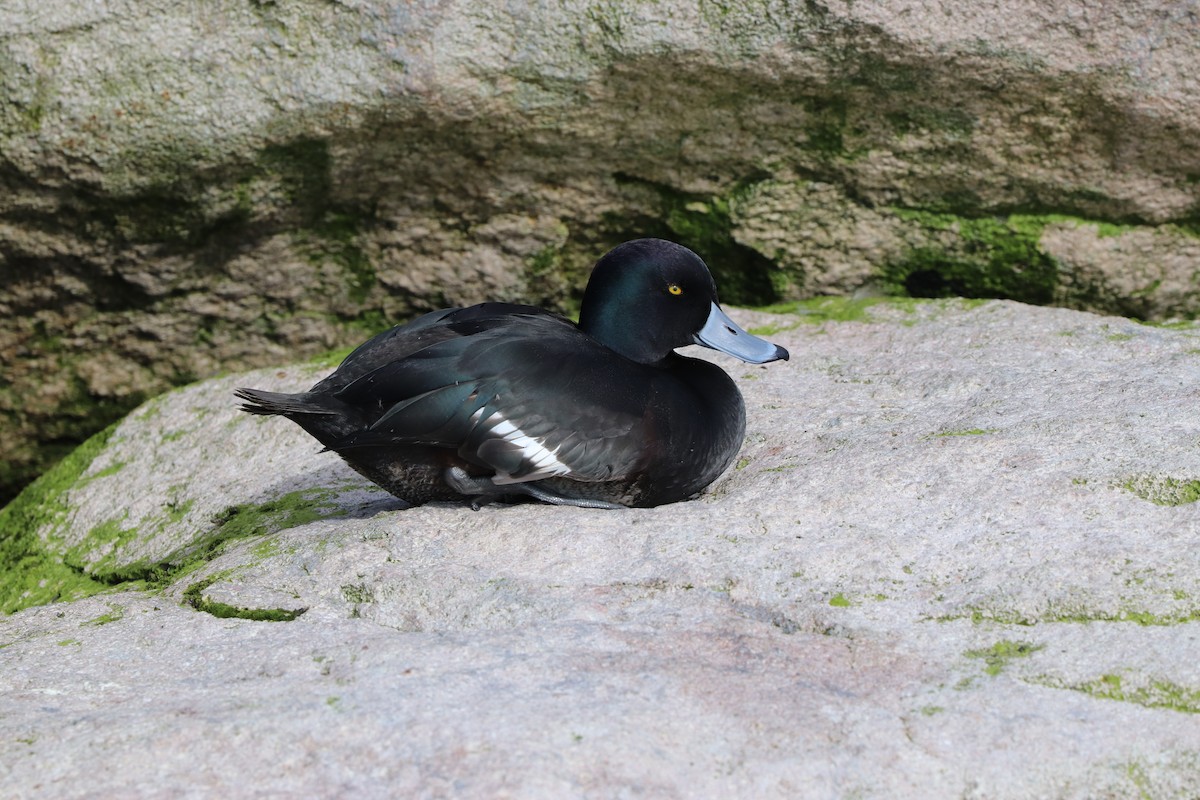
{"points": [[649, 296]]}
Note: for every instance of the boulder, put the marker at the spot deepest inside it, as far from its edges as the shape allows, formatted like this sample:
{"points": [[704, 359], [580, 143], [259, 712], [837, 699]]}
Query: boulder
{"points": [[191, 188], [955, 558]]}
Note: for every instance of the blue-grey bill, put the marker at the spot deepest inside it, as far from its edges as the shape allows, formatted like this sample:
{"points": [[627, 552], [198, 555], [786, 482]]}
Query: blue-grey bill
{"points": [[722, 333]]}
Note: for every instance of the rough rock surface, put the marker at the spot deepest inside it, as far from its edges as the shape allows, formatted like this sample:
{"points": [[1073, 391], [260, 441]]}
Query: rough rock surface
{"points": [[955, 559], [188, 188]]}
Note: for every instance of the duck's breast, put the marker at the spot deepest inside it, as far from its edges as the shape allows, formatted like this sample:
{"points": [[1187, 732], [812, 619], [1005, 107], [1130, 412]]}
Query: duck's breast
{"points": [[695, 423]]}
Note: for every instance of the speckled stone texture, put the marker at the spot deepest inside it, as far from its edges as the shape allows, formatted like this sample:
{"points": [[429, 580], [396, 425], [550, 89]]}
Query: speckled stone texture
{"points": [[955, 559]]}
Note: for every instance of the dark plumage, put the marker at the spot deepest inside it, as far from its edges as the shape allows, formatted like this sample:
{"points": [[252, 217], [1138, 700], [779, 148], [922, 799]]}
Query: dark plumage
{"points": [[500, 399]]}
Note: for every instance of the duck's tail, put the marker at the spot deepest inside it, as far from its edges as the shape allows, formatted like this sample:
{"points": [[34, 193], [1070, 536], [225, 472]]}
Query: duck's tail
{"points": [[288, 405]]}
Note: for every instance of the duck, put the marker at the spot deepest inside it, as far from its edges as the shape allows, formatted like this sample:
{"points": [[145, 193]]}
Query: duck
{"points": [[501, 401]]}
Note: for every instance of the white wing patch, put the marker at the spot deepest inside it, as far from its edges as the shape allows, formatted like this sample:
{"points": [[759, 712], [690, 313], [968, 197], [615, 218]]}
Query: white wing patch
{"points": [[544, 460]]}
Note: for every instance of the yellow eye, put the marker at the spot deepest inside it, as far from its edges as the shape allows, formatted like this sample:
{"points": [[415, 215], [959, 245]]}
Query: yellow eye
{"points": [[675, 289]]}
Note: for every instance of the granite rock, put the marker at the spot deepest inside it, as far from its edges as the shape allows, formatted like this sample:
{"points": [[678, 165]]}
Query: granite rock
{"points": [[954, 559]]}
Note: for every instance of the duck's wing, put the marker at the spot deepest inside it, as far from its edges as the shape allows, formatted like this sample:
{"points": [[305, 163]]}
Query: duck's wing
{"points": [[529, 399], [402, 341], [562, 415]]}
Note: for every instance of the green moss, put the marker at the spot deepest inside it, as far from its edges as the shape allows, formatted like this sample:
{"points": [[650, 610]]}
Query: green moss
{"points": [[959, 253], [914, 118], [610, 19], [115, 613], [357, 593], [825, 124], [334, 237], [543, 263], [1171, 324], [1163, 490], [267, 548], [554, 277], [327, 232], [304, 169], [194, 596], [41, 84], [999, 655], [111, 469], [32, 574], [159, 214], [212, 217], [1147, 618], [1152, 694], [109, 536], [839, 600], [29, 575], [886, 77], [767, 331], [78, 416], [744, 277], [332, 358], [984, 257], [1077, 615], [369, 323], [703, 224], [1104, 230], [176, 511], [233, 524], [286, 511], [818, 310], [1137, 776]]}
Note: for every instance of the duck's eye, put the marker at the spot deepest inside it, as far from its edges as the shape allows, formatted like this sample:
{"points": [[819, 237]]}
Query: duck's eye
{"points": [[675, 289]]}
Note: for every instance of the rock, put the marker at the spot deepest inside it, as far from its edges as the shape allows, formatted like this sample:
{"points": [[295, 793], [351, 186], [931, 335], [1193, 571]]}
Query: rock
{"points": [[955, 558], [193, 190]]}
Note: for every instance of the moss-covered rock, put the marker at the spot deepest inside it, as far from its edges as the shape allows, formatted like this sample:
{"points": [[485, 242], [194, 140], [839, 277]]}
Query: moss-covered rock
{"points": [[184, 196], [952, 523]]}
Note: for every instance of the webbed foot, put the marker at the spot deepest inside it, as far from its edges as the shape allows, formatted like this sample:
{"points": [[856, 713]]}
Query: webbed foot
{"points": [[481, 490], [559, 500], [485, 490]]}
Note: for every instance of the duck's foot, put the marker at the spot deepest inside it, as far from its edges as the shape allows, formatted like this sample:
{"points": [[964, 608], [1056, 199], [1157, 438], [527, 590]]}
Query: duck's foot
{"points": [[483, 488], [559, 500]]}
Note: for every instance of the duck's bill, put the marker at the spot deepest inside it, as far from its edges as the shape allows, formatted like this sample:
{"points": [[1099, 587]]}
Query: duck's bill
{"points": [[722, 333]]}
